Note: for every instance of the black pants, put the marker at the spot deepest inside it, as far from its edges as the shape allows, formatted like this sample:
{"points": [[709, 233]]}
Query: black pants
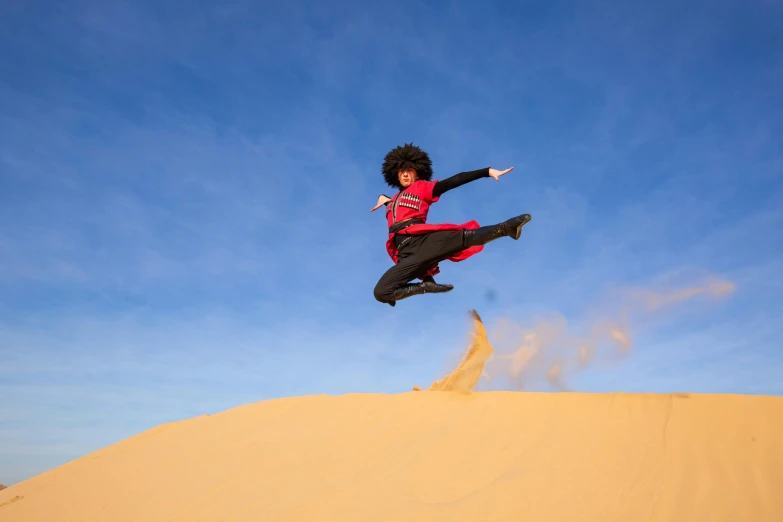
{"points": [[417, 254]]}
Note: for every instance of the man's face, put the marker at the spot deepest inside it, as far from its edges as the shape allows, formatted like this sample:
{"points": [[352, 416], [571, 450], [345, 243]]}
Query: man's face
{"points": [[407, 177]]}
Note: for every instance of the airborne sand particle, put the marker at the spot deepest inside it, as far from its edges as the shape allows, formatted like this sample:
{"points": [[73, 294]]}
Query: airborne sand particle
{"points": [[547, 350]]}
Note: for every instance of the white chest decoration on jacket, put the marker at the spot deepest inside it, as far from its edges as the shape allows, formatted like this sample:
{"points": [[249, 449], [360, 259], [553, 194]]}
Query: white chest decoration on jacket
{"points": [[409, 200]]}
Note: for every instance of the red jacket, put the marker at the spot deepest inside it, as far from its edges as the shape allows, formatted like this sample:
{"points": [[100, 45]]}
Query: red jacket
{"points": [[414, 202]]}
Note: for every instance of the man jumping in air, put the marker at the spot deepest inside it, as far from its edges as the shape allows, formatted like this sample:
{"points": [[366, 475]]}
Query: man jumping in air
{"points": [[417, 247]]}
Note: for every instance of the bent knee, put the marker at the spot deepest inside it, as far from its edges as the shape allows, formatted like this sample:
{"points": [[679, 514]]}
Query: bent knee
{"points": [[382, 294]]}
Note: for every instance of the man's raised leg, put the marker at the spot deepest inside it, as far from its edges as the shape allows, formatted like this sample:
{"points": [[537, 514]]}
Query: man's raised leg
{"points": [[511, 228]]}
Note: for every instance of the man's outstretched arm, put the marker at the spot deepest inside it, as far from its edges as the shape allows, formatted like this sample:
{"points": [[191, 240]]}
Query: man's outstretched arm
{"points": [[462, 178], [383, 199]]}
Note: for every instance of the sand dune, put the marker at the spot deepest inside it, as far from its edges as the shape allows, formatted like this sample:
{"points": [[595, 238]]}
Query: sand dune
{"points": [[451, 455], [434, 456]]}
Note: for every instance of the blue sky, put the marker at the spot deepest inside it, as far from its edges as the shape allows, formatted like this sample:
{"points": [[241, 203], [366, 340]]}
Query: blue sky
{"points": [[184, 197]]}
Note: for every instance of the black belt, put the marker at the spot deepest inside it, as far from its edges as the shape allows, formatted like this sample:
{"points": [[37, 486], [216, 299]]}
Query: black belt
{"points": [[405, 224]]}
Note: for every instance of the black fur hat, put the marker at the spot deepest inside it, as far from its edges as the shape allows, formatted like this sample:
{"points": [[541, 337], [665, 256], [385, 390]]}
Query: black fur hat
{"points": [[407, 156]]}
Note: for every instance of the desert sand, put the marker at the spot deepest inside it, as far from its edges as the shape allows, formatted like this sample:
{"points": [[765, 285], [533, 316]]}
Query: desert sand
{"points": [[447, 453]]}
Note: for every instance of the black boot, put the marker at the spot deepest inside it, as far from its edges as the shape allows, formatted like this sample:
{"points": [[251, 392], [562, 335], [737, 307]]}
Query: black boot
{"points": [[427, 287], [481, 236], [430, 286], [435, 287]]}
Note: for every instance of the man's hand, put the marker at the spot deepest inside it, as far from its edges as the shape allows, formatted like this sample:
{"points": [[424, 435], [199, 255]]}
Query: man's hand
{"points": [[497, 173], [382, 200]]}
